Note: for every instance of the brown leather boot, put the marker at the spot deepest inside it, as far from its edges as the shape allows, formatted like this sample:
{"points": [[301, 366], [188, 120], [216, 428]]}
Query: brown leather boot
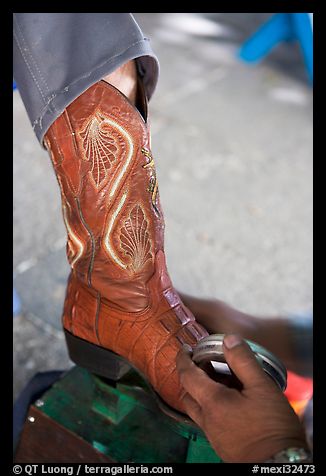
{"points": [[119, 298]]}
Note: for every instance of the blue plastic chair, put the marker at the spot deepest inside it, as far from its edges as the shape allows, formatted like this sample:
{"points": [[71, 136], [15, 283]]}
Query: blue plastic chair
{"points": [[16, 303], [281, 27]]}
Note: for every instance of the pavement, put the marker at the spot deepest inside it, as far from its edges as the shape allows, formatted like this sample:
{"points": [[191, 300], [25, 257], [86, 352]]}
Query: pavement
{"points": [[233, 149]]}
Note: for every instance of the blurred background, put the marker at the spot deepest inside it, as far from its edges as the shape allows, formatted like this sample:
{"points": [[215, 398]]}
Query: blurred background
{"points": [[232, 143]]}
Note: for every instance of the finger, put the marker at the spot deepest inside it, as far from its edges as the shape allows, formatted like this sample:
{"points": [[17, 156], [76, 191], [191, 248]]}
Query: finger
{"points": [[243, 362], [192, 408], [194, 380]]}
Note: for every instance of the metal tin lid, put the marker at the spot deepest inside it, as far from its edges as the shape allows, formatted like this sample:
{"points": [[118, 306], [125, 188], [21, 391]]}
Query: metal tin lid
{"points": [[209, 349]]}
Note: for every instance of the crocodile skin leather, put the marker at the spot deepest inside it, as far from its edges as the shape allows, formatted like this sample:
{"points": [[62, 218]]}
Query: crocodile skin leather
{"points": [[119, 293]]}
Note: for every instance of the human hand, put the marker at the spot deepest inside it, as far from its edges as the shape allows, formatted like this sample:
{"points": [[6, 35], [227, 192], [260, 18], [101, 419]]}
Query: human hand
{"points": [[277, 333], [246, 426]]}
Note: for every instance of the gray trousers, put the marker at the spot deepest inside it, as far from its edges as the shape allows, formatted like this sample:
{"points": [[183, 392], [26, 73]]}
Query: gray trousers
{"points": [[57, 56]]}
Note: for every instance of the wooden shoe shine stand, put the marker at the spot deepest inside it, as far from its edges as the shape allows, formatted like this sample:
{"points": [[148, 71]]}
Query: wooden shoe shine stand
{"points": [[84, 418]]}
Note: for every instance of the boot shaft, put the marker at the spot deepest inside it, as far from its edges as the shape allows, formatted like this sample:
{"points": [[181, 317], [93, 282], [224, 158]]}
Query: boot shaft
{"points": [[119, 295], [100, 150]]}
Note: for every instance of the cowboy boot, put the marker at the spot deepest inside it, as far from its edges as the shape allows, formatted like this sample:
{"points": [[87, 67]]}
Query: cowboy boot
{"points": [[120, 300]]}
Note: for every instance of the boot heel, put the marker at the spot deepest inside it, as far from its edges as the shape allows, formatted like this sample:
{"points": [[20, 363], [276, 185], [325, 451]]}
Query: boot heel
{"points": [[96, 359]]}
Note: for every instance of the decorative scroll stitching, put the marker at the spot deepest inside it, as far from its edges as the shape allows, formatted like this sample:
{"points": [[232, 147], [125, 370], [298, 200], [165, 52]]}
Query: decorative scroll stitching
{"points": [[107, 240], [72, 238], [103, 140], [99, 147], [153, 183], [134, 239]]}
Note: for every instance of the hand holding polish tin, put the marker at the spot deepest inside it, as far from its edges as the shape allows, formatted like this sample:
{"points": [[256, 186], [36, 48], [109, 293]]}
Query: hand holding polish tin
{"points": [[234, 400], [208, 354]]}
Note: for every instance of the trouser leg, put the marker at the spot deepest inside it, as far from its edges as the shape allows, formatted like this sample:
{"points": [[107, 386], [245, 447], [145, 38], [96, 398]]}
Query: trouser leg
{"points": [[58, 56]]}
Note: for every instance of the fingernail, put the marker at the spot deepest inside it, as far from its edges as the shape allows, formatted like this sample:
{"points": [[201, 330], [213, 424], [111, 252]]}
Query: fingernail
{"points": [[187, 348], [232, 340]]}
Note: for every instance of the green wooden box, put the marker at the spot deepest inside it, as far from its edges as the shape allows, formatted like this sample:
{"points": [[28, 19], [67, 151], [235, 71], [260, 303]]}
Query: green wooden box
{"points": [[122, 420]]}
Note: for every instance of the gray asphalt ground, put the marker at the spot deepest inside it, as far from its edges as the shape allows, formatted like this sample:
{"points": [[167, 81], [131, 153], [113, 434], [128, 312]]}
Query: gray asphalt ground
{"points": [[233, 149]]}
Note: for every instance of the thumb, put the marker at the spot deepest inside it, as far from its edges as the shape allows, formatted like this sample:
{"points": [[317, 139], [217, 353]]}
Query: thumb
{"points": [[243, 362]]}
